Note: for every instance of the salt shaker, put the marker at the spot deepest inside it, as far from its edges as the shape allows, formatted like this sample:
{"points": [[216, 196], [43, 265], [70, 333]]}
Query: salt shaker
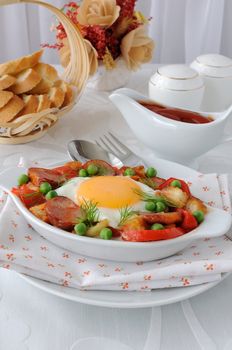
{"points": [[216, 71], [177, 85]]}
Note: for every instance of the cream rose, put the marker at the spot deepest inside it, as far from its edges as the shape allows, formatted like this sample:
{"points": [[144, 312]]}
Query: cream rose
{"points": [[98, 12], [137, 48], [64, 53]]}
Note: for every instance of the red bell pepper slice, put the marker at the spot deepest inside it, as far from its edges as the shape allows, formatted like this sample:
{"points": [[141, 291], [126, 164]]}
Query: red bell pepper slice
{"points": [[152, 235], [168, 182], [15, 190], [30, 195], [189, 221]]}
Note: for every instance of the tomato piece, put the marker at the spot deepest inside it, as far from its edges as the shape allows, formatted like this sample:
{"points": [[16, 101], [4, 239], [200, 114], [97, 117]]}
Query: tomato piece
{"points": [[62, 212], [66, 171], [104, 168], [139, 171], [168, 182], [152, 235], [121, 170], [163, 218], [30, 195], [75, 165], [135, 178], [189, 221]]}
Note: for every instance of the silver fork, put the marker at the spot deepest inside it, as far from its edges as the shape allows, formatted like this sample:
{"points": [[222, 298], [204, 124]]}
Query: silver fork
{"points": [[112, 144]]}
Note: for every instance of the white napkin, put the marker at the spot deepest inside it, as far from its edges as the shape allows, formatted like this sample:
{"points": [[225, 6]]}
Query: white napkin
{"points": [[25, 251]]}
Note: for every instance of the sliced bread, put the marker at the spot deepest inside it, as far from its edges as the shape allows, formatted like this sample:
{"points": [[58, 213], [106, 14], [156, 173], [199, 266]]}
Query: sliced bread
{"points": [[46, 71], [42, 88], [18, 65], [6, 81], [56, 96], [31, 104], [43, 102], [25, 81], [11, 109], [5, 97], [69, 94]]}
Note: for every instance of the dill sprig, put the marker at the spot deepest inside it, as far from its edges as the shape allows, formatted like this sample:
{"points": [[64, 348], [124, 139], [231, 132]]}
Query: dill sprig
{"points": [[125, 214], [90, 212], [148, 197]]}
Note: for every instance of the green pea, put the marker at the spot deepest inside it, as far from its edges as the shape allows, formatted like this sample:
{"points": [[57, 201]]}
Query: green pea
{"points": [[176, 183], [160, 206], [45, 187], [106, 233], [92, 169], [151, 172], [51, 194], [150, 206], [129, 172], [157, 227], [83, 173], [80, 229], [23, 179], [199, 215]]}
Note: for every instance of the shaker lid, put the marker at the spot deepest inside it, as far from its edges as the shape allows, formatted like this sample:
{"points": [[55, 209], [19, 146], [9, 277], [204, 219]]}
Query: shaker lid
{"points": [[213, 65], [177, 77]]}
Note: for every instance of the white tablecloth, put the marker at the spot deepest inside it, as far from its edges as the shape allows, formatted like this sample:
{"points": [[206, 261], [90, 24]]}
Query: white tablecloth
{"points": [[32, 319]]}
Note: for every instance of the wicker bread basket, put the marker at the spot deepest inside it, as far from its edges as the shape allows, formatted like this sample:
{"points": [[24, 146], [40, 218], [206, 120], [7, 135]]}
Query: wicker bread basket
{"points": [[30, 127]]}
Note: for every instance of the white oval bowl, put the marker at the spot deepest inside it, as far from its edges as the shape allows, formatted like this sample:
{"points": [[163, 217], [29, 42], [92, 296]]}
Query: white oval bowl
{"points": [[217, 222]]}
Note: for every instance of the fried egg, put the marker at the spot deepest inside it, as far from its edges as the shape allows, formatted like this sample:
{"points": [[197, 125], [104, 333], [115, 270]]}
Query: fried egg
{"points": [[109, 193]]}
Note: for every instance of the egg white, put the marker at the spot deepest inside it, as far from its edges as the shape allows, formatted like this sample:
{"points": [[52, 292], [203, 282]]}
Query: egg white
{"points": [[70, 190]]}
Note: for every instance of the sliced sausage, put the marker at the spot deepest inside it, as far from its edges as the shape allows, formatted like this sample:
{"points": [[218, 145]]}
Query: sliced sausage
{"points": [[39, 175], [62, 212]]}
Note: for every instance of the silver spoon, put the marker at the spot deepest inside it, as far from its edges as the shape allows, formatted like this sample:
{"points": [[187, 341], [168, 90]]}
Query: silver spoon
{"points": [[83, 150]]}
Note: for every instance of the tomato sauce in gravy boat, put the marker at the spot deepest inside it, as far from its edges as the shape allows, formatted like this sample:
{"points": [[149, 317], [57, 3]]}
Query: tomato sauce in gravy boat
{"points": [[168, 138]]}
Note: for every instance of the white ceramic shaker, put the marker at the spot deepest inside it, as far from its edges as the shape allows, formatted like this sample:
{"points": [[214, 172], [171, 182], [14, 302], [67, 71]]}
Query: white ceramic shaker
{"points": [[216, 71], [177, 85]]}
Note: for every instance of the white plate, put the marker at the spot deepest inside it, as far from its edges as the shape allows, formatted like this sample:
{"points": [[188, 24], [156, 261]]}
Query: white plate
{"points": [[217, 222], [124, 300]]}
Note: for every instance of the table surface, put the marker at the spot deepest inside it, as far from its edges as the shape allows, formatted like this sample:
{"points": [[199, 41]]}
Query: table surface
{"points": [[35, 320]]}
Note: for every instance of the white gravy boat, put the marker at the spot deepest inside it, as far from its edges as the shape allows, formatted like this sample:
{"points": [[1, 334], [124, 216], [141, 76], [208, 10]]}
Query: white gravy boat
{"points": [[170, 139]]}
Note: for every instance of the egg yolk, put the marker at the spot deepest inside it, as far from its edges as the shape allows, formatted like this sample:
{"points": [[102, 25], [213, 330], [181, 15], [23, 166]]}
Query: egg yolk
{"points": [[109, 191]]}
